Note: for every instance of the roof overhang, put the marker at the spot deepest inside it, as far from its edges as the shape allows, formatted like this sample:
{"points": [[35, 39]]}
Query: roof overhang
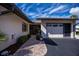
{"points": [[55, 19], [13, 8]]}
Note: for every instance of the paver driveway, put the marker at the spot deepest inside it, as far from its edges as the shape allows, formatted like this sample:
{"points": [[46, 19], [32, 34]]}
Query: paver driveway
{"points": [[50, 47]]}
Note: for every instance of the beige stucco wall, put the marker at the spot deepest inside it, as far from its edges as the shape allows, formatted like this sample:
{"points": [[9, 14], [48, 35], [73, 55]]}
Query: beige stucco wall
{"points": [[11, 24], [44, 32]]}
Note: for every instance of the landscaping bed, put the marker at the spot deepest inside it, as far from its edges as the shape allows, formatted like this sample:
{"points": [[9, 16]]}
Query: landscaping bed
{"points": [[14, 47]]}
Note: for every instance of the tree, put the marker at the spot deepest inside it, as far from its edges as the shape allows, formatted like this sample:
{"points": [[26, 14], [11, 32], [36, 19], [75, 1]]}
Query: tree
{"points": [[74, 17]]}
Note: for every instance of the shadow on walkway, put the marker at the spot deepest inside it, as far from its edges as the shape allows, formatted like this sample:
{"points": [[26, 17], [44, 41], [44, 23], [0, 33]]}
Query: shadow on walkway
{"points": [[49, 42], [10, 50]]}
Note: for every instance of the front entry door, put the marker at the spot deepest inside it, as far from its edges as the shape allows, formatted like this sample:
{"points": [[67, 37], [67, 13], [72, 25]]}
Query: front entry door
{"points": [[67, 29], [34, 29]]}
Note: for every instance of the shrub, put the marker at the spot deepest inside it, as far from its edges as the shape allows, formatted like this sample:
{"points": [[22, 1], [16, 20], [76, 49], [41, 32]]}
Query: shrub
{"points": [[2, 36], [74, 17], [28, 35], [23, 39]]}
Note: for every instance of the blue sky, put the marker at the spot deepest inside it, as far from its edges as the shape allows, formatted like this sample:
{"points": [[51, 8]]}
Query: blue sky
{"points": [[52, 10]]}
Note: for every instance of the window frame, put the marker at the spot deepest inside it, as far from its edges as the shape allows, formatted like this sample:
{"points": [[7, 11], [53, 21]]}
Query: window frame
{"points": [[24, 27], [54, 24]]}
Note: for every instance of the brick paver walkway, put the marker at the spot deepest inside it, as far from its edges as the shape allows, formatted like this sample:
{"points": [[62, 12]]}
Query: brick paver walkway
{"points": [[32, 47]]}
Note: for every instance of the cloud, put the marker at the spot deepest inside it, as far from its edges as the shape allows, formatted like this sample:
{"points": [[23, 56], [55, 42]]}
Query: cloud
{"points": [[56, 9], [59, 16], [74, 11], [47, 9], [23, 7], [31, 14], [28, 8], [50, 8], [38, 4], [34, 16]]}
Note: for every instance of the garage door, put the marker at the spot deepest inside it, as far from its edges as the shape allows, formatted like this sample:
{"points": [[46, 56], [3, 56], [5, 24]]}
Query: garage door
{"points": [[54, 30]]}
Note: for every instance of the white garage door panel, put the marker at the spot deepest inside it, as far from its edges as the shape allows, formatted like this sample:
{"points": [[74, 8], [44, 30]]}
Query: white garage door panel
{"points": [[55, 35], [55, 32]]}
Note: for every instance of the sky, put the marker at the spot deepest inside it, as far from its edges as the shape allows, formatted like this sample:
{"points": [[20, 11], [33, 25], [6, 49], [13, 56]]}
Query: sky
{"points": [[52, 10]]}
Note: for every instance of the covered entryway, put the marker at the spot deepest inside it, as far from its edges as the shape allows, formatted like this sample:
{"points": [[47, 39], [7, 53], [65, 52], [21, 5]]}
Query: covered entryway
{"points": [[34, 29]]}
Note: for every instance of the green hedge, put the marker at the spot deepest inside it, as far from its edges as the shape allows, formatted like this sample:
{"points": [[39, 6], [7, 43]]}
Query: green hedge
{"points": [[23, 39]]}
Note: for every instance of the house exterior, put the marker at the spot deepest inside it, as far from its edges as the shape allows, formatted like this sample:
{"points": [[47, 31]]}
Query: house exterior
{"points": [[57, 27], [13, 23]]}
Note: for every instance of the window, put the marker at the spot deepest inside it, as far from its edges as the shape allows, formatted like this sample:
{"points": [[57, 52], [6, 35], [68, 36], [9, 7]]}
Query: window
{"points": [[48, 24], [60, 25], [24, 27], [52, 24], [55, 25]]}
